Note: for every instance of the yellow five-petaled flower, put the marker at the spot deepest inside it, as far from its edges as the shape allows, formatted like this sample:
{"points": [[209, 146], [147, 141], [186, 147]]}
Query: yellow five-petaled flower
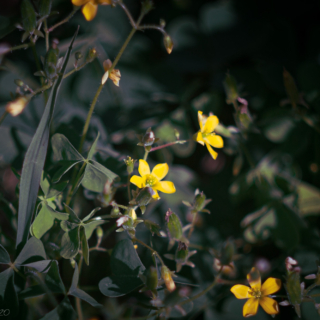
{"points": [[152, 179], [90, 7], [206, 136], [257, 294]]}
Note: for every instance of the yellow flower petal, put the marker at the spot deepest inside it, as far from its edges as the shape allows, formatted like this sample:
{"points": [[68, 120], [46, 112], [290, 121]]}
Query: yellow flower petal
{"points": [[215, 141], [198, 137], [143, 168], [250, 308], [165, 186], [210, 124], [254, 279], [212, 152], [200, 119], [160, 170], [137, 181], [89, 11], [270, 286], [79, 2], [241, 291], [156, 195], [269, 305]]}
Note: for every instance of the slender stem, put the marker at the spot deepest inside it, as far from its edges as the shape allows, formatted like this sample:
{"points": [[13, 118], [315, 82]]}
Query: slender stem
{"points": [[310, 288], [200, 294], [3, 116], [199, 247], [168, 145], [64, 20], [314, 295], [78, 301], [46, 34], [95, 99], [146, 152], [151, 249], [128, 186], [21, 46], [75, 69], [192, 224], [155, 27]]}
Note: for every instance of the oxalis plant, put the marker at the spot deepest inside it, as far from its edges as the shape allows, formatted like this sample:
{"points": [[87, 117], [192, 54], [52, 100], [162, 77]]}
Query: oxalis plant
{"points": [[53, 225]]}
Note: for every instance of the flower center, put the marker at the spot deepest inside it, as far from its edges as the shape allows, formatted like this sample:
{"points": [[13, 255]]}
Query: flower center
{"points": [[205, 135], [256, 293], [150, 180]]}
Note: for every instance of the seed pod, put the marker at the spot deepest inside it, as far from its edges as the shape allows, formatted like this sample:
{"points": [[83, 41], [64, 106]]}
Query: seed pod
{"points": [[28, 14], [168, 44], [173, 225], [45, 7], [152, 278], [200, 201], [167, 278], [182, 253], [50, 63]]}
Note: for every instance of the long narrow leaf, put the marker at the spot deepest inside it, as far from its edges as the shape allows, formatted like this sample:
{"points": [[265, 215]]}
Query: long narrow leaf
{"points": [[34, 161]]}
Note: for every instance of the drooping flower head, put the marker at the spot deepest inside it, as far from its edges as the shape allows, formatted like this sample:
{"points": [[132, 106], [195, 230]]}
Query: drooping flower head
{"points": [[90, 7], [152, 179], [206, 135], [257, 294]]}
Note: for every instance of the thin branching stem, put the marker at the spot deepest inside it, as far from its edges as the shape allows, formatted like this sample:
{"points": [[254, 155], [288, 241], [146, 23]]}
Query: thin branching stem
{"points": [[64, 20], [151, 249]]}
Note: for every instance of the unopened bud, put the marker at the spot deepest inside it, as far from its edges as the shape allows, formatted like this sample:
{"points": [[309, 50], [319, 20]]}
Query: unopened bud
{"points": [[148, 138], [152, 278], [290, 263], [107, 64], [182, 253], [130, 164], [73, 263], [162, 23], [167, 278], [78, 55], [18, 82], [168, 44], [99, 232], [173, 225], [92, 54], [17, 106], [200, 201]]}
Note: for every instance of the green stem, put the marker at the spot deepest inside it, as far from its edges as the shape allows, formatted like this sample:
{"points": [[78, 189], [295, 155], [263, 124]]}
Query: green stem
{"points": [[146, 152], [95, 99], [192, 225], [128, 186], [200, 294], [3, 116], [64, 20], [168, 145], [46, 34], [21, 46], [151, 249], [78, 301]]}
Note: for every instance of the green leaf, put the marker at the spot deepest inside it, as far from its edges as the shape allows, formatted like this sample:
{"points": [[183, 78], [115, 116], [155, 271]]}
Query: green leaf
{"points": [[34, 161], [31, 252], [45, 220], [70, 244], [308, 199], [28, 14], [63, 311], [91, 214], [45, 7], [125, 266], [8, 295], [91, 226], [76, 292], [41, 266], [4, 256], [293, 289], [93, 147], [96, 176], [84, 245], [66, 165], [63, 149]]}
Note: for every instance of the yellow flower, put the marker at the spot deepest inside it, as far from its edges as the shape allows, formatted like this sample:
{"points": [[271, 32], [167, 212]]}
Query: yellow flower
{"points": [[90, 7], [206, 136], [16, 106], [257, 294], [152, 179], [114, 75]]}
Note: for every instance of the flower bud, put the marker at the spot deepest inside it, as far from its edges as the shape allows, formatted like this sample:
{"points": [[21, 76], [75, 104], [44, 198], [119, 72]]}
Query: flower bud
{"points": [[182, 253], [147, 5], [51, 60], [167, 278], [99, 232], [107, 64], [73, 263], [18, 82], [290, 263], [130, 164], [173, 225], [149, 138], [115, 210], [168, 44], [162, 23], [200, 201], [152, 278], [17, 106], [92, 54], [78, 55]]}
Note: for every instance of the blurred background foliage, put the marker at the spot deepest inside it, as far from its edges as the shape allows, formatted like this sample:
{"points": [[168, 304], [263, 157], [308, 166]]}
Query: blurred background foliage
{"points": [[265, 183]]}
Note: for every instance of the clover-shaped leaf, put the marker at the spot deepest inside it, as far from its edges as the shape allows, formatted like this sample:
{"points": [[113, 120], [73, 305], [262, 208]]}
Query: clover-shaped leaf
{"points": [[77, 234], [126, 267], [95, 175]]}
